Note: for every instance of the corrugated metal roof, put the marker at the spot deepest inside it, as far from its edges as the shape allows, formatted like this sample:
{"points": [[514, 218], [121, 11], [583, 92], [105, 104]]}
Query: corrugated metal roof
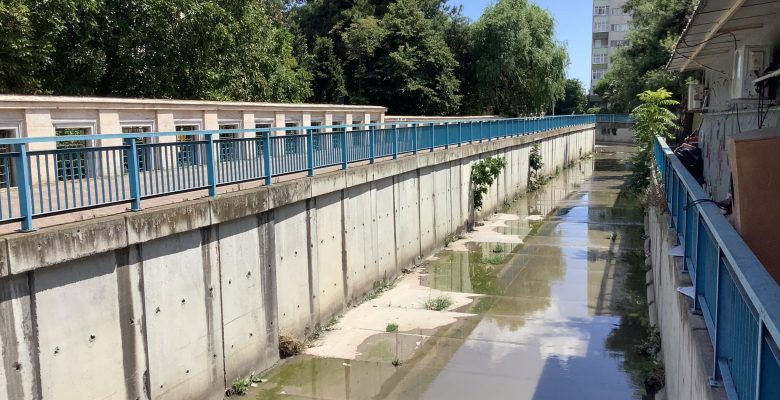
{"points": [[717, 27]]}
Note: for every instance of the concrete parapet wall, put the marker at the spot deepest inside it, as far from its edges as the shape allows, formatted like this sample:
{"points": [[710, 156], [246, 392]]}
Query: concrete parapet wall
{"points": [[614, 133], [687, 349], [176, 302]]}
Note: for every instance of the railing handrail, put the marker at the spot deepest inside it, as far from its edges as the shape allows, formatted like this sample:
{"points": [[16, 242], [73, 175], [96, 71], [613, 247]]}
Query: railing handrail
{"points": [[140, 135], [759, 285], [755, 287], [90, 172]]}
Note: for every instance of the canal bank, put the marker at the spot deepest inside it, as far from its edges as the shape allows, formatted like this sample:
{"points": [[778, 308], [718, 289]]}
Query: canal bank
{"points": [[546, 301]]}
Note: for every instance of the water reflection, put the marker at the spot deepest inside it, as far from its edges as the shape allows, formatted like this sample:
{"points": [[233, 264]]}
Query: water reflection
{"points": [[551, 319]]}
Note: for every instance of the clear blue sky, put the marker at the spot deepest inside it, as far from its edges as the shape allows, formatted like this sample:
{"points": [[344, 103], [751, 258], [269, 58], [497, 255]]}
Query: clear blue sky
{"points": [[572, 26]]}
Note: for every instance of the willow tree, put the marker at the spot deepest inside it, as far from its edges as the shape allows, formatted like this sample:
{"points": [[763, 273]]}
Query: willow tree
{"points": [[519, 67]]}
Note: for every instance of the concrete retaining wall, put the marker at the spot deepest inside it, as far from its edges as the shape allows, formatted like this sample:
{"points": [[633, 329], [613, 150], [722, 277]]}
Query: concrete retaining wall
{"points": [[176, 302], [614, 133], [687, 350]]}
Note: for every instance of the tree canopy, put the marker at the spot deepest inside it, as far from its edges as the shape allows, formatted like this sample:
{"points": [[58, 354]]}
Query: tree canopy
{"points": [[519, 68], [574, 98], [413, 56]]}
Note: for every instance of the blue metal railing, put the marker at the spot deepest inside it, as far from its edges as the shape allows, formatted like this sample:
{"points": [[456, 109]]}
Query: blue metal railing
{"points": [[614, 118], [739, 300], [48, 175]]}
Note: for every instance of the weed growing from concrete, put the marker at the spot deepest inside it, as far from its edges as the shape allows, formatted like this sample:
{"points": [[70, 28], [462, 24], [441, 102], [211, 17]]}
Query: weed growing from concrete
{"points": [[437, 303], [239, 387], [397, 362], [452, 237], [391, 327], [379, 288], [332, 323]]}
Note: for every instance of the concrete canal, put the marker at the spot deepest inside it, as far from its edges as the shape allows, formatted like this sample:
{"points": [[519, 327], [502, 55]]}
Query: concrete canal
{"points": [[544, 300]]}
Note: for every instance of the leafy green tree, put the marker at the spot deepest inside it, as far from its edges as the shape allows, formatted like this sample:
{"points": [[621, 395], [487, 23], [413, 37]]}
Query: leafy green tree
{"points": [[574, 98], [19, 52], [328, 75], [652, 118], [199, 49], [415, 72], [519, 67]]}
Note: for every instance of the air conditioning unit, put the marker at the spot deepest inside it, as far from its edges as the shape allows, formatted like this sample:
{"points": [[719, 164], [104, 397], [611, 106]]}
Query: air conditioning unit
{"points": [[695, 97], [749, 64]]}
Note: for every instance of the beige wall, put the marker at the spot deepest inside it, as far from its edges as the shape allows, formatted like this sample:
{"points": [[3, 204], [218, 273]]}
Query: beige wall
{"points": [[37, 116]]}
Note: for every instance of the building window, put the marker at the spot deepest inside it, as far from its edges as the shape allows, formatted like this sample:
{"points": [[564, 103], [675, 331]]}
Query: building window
{"points": [[598, 74], [185, 153], [339, 129], [7, 172], [71, 164], [618, 43], [600, 43], [291, 143], [600, 27], [260, 144], [599, 59], [316, 137], [601, 10], [228, 147], [144, 160], [619, 28], [618, 12]]}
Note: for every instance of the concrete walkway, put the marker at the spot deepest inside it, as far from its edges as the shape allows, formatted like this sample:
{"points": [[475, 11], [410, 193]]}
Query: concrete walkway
{"points": [[537, 308]]}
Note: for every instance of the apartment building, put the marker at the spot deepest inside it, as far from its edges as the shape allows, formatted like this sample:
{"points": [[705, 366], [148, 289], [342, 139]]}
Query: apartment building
{"points": [[610, 28]]}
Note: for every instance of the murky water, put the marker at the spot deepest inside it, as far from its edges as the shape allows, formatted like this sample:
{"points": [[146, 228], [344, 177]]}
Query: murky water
{"points": [[555, 317]]}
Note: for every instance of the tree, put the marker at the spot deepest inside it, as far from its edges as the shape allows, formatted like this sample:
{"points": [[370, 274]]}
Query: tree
{"points": [[414, 73], [328, 76], [194, 49], [18, 50], [519, 68], [652, 118], [574, 98]]}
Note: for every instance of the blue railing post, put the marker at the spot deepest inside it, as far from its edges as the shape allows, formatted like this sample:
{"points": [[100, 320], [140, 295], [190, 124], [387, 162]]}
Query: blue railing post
{"points": [[414, 139], [23, 181], [344, 153], [446, 136], [433, 136], [371, 144], [267, 157], [395, 142], [310, 150], [460, 134], [211, 166], [133, 176]]}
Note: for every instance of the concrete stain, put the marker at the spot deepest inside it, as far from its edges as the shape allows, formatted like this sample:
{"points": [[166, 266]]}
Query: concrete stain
{"points": [[557, 315]]}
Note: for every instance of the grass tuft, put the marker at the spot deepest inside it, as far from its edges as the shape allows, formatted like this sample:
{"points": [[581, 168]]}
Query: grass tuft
{"points": [[239, 387], [391, 327], [438, 303]]}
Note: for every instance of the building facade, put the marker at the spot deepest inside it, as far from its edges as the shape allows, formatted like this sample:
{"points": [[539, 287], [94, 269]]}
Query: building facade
{"points": [[610, 28]]}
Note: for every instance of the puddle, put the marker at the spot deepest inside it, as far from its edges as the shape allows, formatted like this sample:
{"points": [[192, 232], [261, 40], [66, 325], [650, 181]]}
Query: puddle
{"points": [[547, 304]]}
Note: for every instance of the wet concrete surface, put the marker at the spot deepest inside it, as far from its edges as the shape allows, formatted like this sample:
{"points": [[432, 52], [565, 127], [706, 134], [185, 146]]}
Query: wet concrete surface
{"points": [[548, 316]]}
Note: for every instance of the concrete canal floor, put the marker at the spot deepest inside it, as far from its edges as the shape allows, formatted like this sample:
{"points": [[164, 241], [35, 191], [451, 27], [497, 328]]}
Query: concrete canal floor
{"points": [[547, 299]]}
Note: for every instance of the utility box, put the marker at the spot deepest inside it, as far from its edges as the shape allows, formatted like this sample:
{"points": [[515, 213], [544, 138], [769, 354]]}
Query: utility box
{"points": [[754, 158]]}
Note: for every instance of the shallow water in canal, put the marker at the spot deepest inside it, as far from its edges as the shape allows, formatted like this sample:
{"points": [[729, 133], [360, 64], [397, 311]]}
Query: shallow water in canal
{"points": [[557, 316]]}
